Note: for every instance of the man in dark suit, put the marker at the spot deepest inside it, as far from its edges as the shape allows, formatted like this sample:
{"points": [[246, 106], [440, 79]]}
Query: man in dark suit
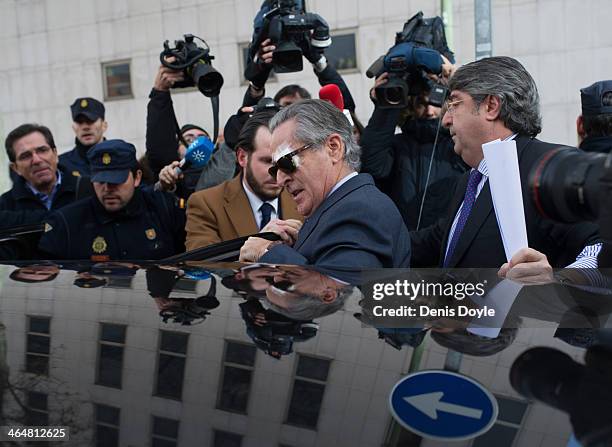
{"points": [[496, 98], [349, 222]]}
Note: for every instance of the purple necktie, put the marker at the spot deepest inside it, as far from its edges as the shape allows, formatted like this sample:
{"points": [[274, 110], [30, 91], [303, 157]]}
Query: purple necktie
{"points": [[466, 209]]}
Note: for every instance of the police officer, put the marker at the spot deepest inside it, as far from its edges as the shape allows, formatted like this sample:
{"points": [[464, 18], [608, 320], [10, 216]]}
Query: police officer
{"points": [[122, 221], [89, 127], [594, 126]]}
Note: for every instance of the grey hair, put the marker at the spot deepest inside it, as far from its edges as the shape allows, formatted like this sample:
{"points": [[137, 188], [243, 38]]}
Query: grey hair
{"points": [[308, 307], [315, 121], [505, 78]]}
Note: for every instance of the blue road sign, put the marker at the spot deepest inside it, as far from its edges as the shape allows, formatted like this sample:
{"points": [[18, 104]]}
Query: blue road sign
{"points": [[443, 405]]}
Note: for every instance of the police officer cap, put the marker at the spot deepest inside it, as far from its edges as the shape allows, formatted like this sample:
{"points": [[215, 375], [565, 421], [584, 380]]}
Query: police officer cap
{"points": [[90, 282], [592, 98], [90, 108], [111, 161]]}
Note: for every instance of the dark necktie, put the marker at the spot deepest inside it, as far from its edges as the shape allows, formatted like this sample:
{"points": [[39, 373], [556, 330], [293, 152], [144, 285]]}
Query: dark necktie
{"points": [[466, 209], [266, 213]]}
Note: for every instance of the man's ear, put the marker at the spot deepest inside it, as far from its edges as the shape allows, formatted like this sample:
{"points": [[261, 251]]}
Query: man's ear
{"points": [[580, 127], [137, 178], [492, 107], [336, 147], [13, 167], [242, 157], [104, 126]]}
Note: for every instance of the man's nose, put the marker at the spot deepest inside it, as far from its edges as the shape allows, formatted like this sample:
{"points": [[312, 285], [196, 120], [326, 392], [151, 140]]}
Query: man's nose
{"points": [[36, 159], [447, 119], [430, 111], [282, 179]]}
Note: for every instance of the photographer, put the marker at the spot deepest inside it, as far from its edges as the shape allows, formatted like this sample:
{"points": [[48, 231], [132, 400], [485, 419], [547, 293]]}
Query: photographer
{"points": [[594, 126], [400, 163], [164, 149], [261, 64]]}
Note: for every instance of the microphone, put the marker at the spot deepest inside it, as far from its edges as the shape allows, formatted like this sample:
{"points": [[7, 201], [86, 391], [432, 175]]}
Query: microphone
{"points": [[197, 154], [331, 93]]}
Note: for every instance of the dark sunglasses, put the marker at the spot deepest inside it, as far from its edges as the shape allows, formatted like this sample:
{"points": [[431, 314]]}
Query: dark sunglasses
{"points": [[286, 162]]}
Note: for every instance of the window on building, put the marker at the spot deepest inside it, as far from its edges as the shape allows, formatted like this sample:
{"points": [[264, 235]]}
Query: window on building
{"points": [[110, 355], [186, 285], [117, 80], [107, 425], [36, 409], [238, 364], [226, 439], [171, 364], [165, 432], [38, 343], [243, 51], [308, 390], [507, 426], [342, 53], [119, 282]]}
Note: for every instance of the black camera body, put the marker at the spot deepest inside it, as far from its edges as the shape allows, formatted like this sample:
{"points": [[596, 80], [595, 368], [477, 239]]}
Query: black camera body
{"points": [[416, 51], [196, 63], [291, 29], [569, 185]]}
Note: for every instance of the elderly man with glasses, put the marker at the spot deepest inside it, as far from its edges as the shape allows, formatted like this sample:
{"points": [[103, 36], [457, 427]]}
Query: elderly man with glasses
{"points": [[349, 222]]}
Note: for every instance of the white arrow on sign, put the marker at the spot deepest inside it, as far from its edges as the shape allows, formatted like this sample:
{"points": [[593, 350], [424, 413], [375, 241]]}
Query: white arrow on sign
{"points": [[430, 404]]}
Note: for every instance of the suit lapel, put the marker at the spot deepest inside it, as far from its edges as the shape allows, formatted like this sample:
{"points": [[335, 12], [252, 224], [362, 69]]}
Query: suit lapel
{"points": [[310, 223], [238, 208], [455, 204]]}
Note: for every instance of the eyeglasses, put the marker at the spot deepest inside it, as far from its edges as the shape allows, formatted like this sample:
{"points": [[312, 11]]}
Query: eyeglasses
{"points": [[287, 163], [451, 106]]}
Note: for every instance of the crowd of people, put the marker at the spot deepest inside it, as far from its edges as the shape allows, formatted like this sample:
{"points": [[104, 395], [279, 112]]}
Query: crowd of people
{"points": [[336, 193]]}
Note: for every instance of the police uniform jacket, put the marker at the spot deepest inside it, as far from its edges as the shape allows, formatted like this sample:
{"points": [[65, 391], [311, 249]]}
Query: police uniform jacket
{"points": [[151, 226], [19, 206], [75, 161]]}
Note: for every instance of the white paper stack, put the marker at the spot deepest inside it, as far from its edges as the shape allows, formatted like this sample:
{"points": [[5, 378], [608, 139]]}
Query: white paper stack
{"points": [[505, 183]]}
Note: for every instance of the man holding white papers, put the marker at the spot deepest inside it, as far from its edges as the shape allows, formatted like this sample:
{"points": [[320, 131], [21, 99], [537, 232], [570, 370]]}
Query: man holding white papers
{"points": [[496, 99]]}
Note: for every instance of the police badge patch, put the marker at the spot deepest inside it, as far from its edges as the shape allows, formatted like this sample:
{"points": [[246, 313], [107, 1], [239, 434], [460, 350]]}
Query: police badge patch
{"points": [[99, 245], [150, 233]]}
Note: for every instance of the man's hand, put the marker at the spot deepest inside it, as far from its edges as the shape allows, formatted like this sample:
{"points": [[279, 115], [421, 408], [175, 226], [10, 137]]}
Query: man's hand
{"points": [[528, 266], [258, 70], [382, 79], [168, 177], [166, 77], [287, 229], [253, 249], [448, 69], [266, 50]]}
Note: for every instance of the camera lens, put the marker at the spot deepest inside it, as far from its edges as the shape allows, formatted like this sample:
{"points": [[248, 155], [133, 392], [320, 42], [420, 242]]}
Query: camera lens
{"points": [[208, 80], [565, 186], [548, 375]]}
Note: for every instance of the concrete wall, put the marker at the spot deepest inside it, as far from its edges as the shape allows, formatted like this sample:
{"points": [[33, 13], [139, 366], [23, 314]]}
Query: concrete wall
{"points": [[53, 49]]}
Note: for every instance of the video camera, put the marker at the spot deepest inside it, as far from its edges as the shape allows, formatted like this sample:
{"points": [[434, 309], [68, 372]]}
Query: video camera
{"points": [[196, 63], [292, 30], [417, 50]]}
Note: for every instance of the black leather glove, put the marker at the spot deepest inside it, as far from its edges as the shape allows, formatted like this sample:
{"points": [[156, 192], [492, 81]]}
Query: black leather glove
{"points": [[257, 73]]}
